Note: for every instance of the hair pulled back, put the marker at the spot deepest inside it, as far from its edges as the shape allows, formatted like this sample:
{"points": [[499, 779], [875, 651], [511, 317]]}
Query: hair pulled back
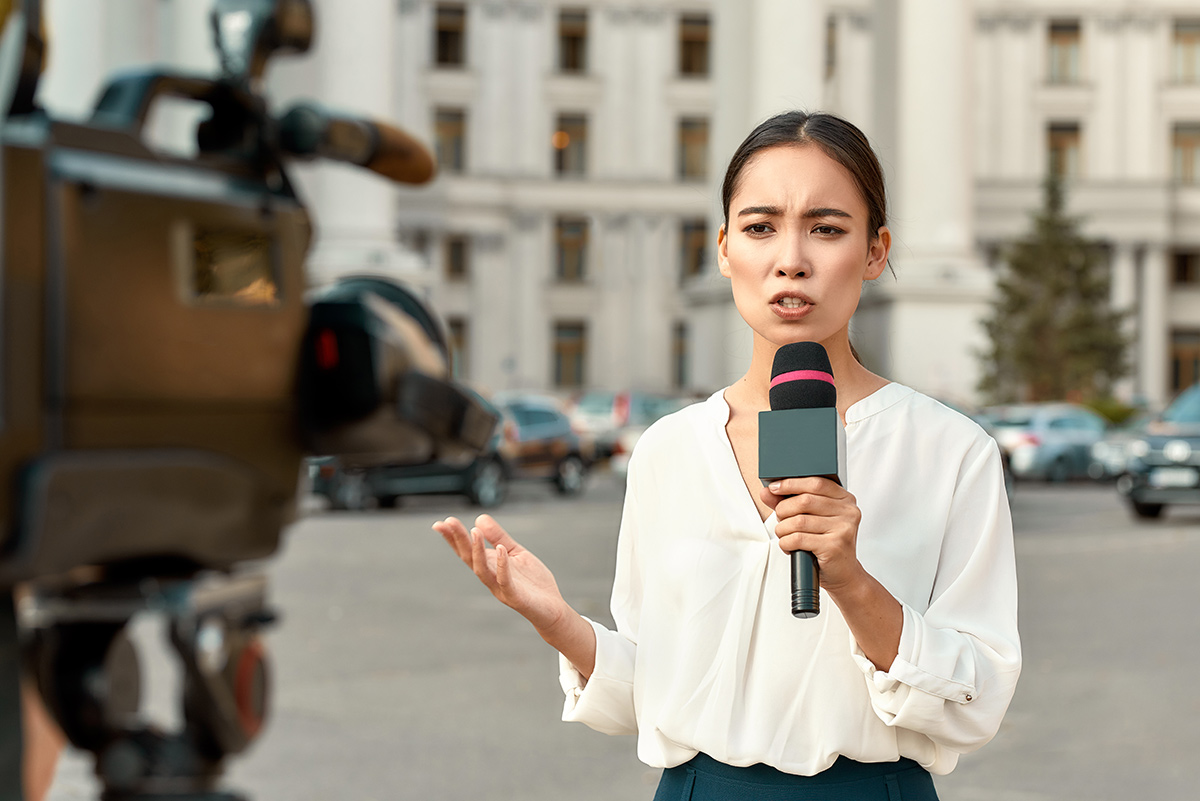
{"points": [[842, 141]]}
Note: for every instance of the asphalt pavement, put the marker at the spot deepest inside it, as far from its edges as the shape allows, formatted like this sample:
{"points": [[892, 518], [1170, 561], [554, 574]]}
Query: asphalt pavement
{"points": [[396, 676]]}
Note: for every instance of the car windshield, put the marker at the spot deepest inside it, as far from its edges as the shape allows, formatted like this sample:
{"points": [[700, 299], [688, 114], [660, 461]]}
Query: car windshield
{"points": [[1186, 408], [1011, 422], [596, 403]]}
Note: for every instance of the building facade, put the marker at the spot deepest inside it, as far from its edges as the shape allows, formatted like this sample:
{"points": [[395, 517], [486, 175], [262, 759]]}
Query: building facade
{"points": [[573, 143], [568, 241]]}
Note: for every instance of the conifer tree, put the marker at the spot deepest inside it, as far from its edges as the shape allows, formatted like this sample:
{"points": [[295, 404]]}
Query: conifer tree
{"points": [[1052, 333]]}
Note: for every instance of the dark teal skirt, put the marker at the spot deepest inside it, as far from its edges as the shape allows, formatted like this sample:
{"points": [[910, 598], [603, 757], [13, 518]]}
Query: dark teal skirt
{"points": [[706, 779]]}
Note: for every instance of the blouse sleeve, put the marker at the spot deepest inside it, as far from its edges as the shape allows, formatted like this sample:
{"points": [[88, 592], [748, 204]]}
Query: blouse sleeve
{"points": [[604, 701], [959, 660]]}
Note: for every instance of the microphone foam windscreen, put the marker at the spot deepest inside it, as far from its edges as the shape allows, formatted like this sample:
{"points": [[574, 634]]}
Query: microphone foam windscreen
{"points": [[801, 377]]}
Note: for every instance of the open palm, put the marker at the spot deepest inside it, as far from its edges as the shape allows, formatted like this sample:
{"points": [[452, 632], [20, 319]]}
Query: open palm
{"points": [[513, 574]]}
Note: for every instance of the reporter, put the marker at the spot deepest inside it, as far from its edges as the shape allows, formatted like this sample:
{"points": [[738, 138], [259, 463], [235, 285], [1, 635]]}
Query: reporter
{"points": [[915, 656]]}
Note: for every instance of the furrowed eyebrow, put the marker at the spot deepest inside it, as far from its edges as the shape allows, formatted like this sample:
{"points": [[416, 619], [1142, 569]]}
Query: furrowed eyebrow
{"points": [[775, 210], [825, 212], [819, 211]]}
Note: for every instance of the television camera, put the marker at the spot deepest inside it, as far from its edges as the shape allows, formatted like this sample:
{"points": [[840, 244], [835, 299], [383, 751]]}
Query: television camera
{"points": [[164, 369]]}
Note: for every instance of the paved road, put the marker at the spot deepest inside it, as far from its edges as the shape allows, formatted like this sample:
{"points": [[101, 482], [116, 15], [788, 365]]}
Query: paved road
{"points": [[397, 677]]}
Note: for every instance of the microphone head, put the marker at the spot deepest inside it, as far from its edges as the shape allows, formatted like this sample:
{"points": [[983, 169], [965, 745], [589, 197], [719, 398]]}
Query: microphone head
{"points": [[801, 377]]}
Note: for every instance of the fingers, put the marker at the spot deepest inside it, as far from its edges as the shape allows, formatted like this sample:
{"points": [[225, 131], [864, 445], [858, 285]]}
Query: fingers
{"points": [[812, 485], [456, 535], [503, 577], [494, 533]]}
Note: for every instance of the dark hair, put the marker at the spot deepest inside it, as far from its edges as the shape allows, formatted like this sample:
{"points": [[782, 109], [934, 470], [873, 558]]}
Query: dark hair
{"points": [[839, 139]]}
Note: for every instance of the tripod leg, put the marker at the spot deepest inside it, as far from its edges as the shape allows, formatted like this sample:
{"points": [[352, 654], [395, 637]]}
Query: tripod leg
{"points": [[11, 745]]}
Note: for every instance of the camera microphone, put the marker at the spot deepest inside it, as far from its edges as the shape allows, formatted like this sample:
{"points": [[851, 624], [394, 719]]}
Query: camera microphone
{"points": [[310, 130]]}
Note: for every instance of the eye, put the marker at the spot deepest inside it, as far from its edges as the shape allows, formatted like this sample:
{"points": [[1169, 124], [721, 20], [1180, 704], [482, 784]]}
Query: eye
{"points": [[827, 230], [757, 228]]}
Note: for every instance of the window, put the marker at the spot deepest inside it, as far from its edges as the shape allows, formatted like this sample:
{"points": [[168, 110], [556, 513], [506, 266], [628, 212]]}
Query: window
{"points": [[693, 246], [679, 342], [450, 34], [570, 249], [570, 354], [572, 40], [570, 145], [1185, 51], [693, 149], [1185, 359], [456, 328], [1063, 149], [1185, 153], [693, 45], [450, 139], [456, 258], [1187, 269], [1063, 53]]}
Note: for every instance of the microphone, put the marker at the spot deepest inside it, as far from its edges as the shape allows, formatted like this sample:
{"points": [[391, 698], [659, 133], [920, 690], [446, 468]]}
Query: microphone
{"points": [[310, 130], [801, 436]]}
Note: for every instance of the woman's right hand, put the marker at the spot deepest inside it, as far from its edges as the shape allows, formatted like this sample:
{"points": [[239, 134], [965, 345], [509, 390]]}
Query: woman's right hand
{"points": [[519, 580], [514, 575]]}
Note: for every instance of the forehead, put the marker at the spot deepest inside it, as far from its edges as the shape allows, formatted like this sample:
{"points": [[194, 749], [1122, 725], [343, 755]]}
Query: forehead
{"points": [[803, 174]]}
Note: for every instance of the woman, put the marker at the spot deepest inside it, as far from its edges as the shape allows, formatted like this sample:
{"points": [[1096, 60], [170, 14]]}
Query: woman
{"points": [[915, 655]]}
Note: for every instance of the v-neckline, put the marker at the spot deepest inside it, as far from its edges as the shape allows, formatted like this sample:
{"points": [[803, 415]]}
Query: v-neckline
{"points": [[766, 522]]}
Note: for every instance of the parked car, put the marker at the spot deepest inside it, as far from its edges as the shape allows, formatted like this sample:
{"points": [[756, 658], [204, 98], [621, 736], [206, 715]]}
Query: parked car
{"points": [[1163, 465], [1111, 452], [603, 415], [1047, 441], [533, 441]]}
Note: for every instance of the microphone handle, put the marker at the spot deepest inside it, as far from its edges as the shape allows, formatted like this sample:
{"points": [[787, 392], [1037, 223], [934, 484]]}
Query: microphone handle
{"points": [[806, 583]]}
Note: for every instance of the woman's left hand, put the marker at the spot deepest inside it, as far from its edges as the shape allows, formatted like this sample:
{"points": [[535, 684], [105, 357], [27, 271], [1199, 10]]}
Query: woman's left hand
{"points": [[819, 515]]}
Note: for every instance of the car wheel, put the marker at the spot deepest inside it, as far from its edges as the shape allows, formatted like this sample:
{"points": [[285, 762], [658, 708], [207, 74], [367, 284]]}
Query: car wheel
{"points": [[569, 475], [489, 484], [1147, 511], [350, 493]]}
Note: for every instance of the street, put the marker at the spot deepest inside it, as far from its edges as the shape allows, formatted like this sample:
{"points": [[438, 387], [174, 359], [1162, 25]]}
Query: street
{"points": [[398, 677]]}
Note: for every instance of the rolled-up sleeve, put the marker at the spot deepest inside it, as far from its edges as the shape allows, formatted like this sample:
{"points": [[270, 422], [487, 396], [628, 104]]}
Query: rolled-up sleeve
{"points": [[959, 659], [604, 701]]}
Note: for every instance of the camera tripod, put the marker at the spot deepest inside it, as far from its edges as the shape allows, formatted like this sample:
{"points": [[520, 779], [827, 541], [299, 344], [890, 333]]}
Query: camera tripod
{"points": [[86, 667]]}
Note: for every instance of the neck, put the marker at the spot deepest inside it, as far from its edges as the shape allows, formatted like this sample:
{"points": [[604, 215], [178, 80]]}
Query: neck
{"points": [[854, 381]]}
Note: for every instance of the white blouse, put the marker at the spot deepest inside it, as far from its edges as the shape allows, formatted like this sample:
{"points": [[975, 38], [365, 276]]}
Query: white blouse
{"points": [[707, 656]]}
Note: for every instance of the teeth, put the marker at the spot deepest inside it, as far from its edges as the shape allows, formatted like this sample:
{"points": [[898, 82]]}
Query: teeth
{"points": [[792, 303]]}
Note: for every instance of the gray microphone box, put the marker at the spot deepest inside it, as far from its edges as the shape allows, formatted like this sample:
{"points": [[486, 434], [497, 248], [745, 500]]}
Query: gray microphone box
{"points": [[795, 443]]}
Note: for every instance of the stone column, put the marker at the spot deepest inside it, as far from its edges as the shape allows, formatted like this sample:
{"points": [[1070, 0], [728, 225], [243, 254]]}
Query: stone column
{"points": [[355, 210], [929, 316], [1153, 353]]}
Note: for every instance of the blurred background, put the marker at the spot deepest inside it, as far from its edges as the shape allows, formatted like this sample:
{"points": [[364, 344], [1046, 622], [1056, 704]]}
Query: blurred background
{"points": [[569, 239], [1043, 163]]}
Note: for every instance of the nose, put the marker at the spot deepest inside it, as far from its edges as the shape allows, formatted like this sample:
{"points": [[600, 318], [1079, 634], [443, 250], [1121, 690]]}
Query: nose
{"points": [[791, 261]]}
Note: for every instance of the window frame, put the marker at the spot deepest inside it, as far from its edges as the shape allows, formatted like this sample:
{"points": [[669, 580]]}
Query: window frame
{"points": [[450, 35]]}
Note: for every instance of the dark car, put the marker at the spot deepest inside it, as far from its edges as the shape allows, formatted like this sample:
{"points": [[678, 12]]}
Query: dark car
{"points": [[1162, 467], [534, 441]]}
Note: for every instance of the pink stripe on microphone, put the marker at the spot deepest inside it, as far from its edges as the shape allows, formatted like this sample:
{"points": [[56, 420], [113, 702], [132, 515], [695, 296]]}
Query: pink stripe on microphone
{"points": [[802, 375]]}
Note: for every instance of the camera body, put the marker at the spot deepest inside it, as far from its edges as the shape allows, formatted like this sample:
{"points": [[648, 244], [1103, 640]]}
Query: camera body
{"points": [[164, 368]]}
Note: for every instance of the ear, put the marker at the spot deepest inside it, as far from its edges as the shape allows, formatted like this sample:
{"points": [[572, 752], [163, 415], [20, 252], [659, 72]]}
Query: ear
{"points": [[877, 254], [723, 252]]}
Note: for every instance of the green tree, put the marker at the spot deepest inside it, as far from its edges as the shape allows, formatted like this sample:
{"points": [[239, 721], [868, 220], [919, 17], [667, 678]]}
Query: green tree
{"points": [[1052, 332]]}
